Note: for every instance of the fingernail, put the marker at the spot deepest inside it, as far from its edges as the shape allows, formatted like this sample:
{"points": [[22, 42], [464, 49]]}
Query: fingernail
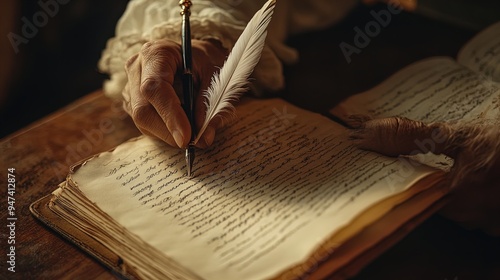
{"points": [[179, 140], [209, 136]]}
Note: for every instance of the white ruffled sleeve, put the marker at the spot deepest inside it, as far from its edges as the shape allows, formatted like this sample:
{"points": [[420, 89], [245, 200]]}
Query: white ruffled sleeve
{"points": [[149, 20], [222, 20]]}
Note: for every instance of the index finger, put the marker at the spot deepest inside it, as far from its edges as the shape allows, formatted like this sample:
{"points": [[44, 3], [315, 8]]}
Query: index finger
{"points": [[160, 64]]}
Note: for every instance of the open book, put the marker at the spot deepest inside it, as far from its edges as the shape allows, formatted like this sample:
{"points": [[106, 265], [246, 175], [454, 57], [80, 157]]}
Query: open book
{"points": [[437, 89], [281, 193]]}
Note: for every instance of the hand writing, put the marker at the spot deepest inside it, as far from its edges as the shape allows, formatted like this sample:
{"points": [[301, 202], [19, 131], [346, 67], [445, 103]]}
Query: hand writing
{"points": [[151, 95]]}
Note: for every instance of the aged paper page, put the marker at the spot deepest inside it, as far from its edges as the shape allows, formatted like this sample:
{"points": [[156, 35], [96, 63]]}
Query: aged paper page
{"points": [[69, 203], [434, 89], [431, 90], [277, 182], [482, 53]]}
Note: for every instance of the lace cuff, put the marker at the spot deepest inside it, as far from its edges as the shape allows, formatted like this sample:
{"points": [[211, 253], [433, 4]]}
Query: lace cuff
{"points": [[149, 20]]}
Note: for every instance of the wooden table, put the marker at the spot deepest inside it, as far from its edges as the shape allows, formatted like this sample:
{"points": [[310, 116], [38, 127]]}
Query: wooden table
{"points": [[42, 152], [41, 155]]}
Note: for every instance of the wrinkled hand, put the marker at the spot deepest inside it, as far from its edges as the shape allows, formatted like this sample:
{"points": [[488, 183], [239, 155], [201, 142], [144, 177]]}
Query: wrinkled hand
{"points": [[474, 178], [150, 95]]}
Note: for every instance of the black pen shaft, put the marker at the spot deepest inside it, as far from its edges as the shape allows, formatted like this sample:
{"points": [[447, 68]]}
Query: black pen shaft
{"points": [[187, 79]]}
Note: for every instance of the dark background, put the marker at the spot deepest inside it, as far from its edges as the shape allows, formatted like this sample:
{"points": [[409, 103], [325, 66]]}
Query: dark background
{"points": [[59, 64]]}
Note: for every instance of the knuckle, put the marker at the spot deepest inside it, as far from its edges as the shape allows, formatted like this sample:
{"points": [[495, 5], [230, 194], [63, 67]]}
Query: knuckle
{"points": [[146, 47], [152, 48], [130, 61], [160, 48], [141, 114], [150, 85]]}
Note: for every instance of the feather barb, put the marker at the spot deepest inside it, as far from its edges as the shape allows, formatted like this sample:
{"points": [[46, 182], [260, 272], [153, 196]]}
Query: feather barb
{"points": [[232, 80]]}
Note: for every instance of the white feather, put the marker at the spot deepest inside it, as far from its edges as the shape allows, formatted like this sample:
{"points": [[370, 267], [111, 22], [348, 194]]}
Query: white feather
{"points": [[232, 80]]}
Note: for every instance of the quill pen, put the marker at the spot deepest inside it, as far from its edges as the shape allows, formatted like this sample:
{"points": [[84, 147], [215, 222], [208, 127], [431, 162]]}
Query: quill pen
{"points": [[232, 80]]}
